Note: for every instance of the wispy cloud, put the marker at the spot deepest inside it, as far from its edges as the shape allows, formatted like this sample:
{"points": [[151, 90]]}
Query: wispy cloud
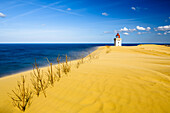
{"points": [[159, 34], [57, 9], [107, 32], [30, 12], [13, 6], [138, 8], [2, 15], [126, 33], [124, 29], [41, 7], [143, 29], [69, 9], [139, 33], [162, 28], [140, 28], [133, 8], [68, 12], [105, 14], [148, 29], [131, 30], [166, 32]]}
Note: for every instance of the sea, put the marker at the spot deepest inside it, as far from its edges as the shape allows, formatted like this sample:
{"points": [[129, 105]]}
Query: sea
{"points": [[16, 58]]}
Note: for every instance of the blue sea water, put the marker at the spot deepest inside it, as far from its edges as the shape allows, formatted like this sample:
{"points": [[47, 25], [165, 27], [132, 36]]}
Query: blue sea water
{"points": [[15, 58]]}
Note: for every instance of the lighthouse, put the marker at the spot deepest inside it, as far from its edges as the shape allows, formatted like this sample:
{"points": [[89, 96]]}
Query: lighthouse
{"points": [[117, 40]]}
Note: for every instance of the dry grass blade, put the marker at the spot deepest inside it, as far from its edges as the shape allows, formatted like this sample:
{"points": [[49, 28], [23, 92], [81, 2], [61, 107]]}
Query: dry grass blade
{"points": [[21, 96], [66, 67], [58, 67], [51, 75], [78, 64], [82, 58], [38, 82]]}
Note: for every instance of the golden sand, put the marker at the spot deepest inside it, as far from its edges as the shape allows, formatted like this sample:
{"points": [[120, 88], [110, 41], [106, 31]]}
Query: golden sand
{"points": [[122, 80]]}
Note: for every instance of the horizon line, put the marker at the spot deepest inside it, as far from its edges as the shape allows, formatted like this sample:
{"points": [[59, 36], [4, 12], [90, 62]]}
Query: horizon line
{"points": [[76, 42]]}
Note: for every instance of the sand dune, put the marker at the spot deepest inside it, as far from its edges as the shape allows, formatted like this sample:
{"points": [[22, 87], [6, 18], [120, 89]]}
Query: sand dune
{"points": [[123, 80]]}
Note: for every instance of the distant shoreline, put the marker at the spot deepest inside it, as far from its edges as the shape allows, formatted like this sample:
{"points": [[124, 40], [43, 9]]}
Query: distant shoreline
{"points": [[112, 43]]}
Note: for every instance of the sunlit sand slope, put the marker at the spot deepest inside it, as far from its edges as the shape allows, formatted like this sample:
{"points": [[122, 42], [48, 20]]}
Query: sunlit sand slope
{"points": [[122, 80]]}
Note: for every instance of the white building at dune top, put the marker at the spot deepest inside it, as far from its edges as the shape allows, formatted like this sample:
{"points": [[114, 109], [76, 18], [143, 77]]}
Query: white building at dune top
{"points": [[117, 40]]}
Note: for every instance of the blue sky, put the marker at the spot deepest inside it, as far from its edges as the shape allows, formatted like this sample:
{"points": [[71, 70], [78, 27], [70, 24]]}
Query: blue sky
{"points": [[144, 21]]}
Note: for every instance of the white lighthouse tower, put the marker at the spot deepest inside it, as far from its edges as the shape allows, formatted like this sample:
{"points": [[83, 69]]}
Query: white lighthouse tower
{"points": [[117, 40]]}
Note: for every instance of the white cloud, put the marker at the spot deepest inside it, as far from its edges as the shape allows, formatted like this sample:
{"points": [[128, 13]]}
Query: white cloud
{"points": [[169, 17], [105, 14], [124, 29], [162, 28], [69, 9], [2, 15], [166, 32], [139, 33], [148, 28], [131, 30], [133, 8], [140, 28], [159, 34], [126, 33]]}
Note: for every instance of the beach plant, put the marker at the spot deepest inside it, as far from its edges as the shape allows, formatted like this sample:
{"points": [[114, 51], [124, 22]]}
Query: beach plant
{"points": [[78, 64], [66, 67], [82, 59], [58, 67], [91, 56], [51, 75], [22, 95], [40, 84]]}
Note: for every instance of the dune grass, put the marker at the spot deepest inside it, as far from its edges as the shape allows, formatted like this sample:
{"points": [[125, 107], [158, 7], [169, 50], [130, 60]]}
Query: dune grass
{"points": [[38, 80], [66, 67], [22, 95], [58, 67]]}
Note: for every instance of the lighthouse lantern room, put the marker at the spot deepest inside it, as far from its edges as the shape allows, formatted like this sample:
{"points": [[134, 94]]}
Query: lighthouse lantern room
{"points": [[117, 40]]}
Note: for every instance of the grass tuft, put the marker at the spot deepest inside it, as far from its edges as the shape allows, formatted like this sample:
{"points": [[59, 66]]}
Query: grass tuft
{"points": [[51, 75], [58, 67], [22, 95], [38, 82], [66, 67]]}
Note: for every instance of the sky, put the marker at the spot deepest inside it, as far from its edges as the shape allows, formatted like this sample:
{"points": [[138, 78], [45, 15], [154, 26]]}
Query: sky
{"points": [[137, 21]]}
